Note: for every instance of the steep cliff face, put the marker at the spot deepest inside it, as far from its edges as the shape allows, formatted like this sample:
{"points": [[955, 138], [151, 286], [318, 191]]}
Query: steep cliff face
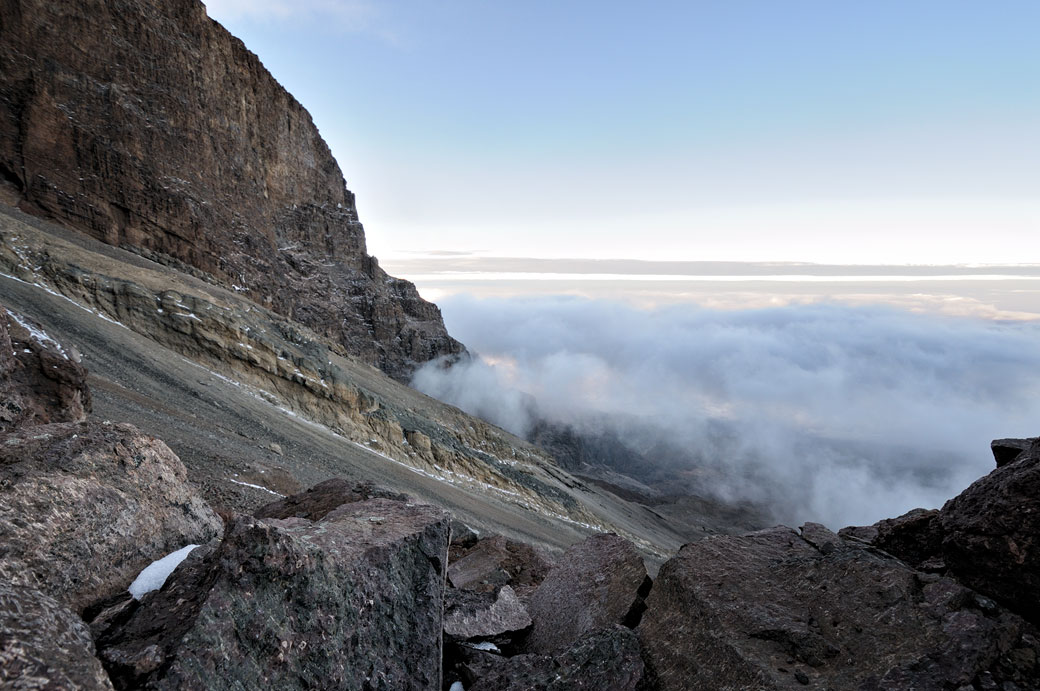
{"points": [[145, 124]]}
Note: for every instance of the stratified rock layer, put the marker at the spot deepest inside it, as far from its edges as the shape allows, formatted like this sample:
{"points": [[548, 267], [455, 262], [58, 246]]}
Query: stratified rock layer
{"points": [[779, 610], [84, 507], [352, 601], [43, 645], [39, 381], [146, 124]]}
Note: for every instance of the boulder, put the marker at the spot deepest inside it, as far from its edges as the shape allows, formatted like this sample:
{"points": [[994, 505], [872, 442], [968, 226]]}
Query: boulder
{"points": [[991, 533], [84, 507], [596, 584], [351, 601], [471, 615], [43, 645], [604, 660], [497, 561], [40, 380], [915, 537], [319, 500], [773, 610], [1008, 450]]}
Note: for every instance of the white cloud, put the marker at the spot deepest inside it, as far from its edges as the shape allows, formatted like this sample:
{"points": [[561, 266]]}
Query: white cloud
{"points": [[827, 412]]}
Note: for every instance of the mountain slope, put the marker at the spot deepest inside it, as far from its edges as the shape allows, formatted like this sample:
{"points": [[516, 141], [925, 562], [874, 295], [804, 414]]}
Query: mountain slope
{"points": [[147, 125]]}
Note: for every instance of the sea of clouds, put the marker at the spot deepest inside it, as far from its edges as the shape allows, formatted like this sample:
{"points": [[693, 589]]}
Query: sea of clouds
{"points": [[823, 412]]}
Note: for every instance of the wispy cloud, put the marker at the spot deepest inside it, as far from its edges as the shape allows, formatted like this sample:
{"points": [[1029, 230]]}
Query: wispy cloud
{"points": [[826, 412]]}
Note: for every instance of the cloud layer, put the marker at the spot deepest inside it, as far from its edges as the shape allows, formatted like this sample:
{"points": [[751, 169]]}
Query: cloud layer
{"points": [[824, 412]]}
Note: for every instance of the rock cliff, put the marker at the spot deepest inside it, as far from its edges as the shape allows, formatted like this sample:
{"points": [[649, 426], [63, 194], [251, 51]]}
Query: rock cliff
{"points": [[145, 124]]}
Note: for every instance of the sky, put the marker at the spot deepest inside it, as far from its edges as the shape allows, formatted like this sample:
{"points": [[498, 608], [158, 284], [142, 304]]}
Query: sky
{"points": [[812, 131]]}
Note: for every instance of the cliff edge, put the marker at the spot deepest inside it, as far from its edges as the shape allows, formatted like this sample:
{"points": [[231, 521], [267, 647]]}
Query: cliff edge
{"points": [[145, 124]]}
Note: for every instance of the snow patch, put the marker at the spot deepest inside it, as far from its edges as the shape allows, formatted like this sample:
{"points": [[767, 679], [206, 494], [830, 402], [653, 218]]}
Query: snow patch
{"points": [[155, 574]]}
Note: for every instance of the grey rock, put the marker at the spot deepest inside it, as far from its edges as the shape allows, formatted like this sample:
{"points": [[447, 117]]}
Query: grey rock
{"points": [[84, 507], [40, 380], [473, 616], [496, 561], [319, 500], [604, 660], [43, 645], [596, 584], [771, 610], [352, 601], [991, 533]]}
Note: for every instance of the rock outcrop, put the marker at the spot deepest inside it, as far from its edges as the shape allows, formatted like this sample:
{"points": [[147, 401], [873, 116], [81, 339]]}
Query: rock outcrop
{"points": [[85, 506], [147, 125], [781, 610], [595, 584], [316, 502], [351, 601], [43, 645], [40, 382]]}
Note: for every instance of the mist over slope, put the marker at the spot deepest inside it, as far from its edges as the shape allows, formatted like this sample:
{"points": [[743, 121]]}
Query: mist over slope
{"points": [[823, 412]]}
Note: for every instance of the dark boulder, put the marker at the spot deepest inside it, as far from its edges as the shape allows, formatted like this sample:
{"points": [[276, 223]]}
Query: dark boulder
{"points": [[314, 503], [41, 381], [991, 534], [596, 584], [351, 601], [496, 561], [774, 610], [84, 507], [476, 616], [604, 660], [43, 645]]}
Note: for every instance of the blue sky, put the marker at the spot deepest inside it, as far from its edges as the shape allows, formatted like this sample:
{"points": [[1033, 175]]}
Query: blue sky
{"points": [[882, 132]]}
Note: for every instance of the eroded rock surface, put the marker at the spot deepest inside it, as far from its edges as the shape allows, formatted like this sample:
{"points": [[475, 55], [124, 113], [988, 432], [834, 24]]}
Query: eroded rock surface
{"points": [[496, 561], [43, 645], [316, 502], [352, 601], [85, 506], [471, 615], [147, 125], [40, 381], [595, 584], [772, 610]]}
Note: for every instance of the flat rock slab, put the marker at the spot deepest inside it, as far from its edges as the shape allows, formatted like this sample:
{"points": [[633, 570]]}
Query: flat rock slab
{"points": [[316, 502], [772, 610], [43, 645], [597, 583], [352, 601], [475, 616], [496, 561], [604, 660], [84, 507]]}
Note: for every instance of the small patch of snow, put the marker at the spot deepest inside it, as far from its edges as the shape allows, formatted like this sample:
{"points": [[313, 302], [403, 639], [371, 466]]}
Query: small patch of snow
{"points": [[155, 574], [249, 484]]}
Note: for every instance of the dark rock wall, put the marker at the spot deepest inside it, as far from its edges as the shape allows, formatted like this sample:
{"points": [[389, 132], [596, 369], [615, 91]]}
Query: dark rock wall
{"points": [[146, 124]]}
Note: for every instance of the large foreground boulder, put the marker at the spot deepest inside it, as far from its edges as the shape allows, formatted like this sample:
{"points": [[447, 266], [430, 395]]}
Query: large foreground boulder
{"points": [[40, 380], [352, 601], [781, 610], [84, 507], [43, 645], [596, 584]]}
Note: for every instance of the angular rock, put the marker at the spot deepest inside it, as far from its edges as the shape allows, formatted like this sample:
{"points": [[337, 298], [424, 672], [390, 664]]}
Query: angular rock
{"points": [[43, 645], [471, 615], [596, 584], [497, 561], [915, 537], [991, 533], [770, 610], [315, 503], [40, 381], [147, 125], [84, 507], [604, 660], [352, 601], [1008, 450]]}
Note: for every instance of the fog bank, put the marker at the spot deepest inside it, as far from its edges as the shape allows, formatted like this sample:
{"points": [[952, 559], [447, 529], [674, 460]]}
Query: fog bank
{"points": [[833, 413]]}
